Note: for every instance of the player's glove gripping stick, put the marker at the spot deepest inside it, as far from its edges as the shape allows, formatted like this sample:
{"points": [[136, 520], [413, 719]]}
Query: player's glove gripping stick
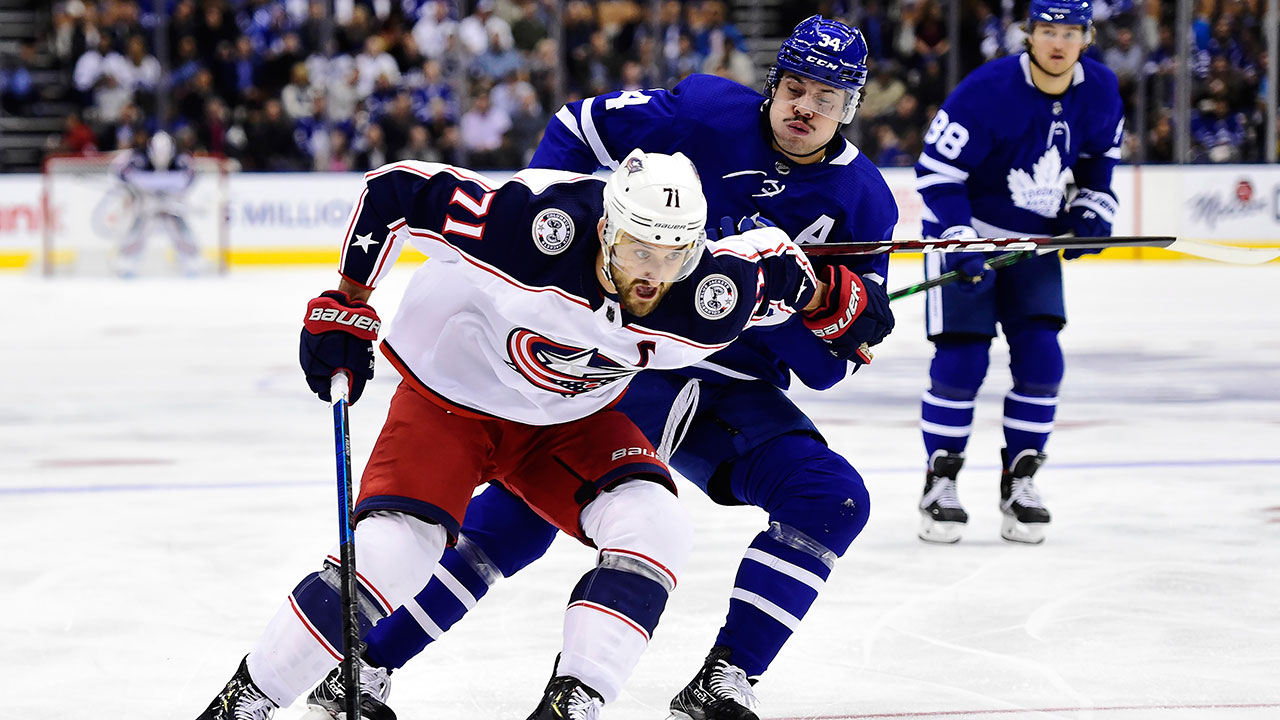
{"points": [[338, 335]]}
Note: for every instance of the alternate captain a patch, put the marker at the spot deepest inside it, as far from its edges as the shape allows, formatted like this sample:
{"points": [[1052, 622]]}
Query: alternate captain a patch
{"points": [[715, 297], [552, 231], [561, 368]]}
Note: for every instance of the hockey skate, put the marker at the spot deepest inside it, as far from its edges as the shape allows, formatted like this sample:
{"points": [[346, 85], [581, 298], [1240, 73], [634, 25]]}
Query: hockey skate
{"points": [[240, 699], [943, 517], [329, 700], [566, 698], [720, 691], [1025, 516]]}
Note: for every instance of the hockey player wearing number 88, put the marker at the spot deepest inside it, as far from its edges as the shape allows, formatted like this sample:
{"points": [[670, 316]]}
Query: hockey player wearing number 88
{"points": [[778, 157], [998, 174]]}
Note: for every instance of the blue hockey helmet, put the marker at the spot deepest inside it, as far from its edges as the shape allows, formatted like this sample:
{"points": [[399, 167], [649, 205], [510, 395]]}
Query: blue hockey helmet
{"points": [[827, 51], [1061, 12]]}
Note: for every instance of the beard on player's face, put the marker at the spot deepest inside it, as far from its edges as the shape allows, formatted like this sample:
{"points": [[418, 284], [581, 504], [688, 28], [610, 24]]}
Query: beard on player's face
{"points": [[637, 295]]}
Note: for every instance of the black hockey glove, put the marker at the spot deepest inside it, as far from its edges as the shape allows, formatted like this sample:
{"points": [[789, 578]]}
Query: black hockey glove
{"points": [[855, 316], [338, 334]]}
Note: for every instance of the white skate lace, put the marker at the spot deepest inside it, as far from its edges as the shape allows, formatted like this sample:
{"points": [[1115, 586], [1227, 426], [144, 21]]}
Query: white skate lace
{"points": [[583, 706], [730, 682], [259, 708], [375, 681], [942, 492], [1023, 492]]}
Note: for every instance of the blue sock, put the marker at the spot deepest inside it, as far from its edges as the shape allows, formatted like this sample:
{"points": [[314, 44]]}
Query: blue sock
{"points": [[946, 409], [1035, 360], [817, 505]]}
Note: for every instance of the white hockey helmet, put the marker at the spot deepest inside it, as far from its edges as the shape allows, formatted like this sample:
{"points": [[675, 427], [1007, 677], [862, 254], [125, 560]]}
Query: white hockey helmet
{"points": [[160, 150], [654, 206]]}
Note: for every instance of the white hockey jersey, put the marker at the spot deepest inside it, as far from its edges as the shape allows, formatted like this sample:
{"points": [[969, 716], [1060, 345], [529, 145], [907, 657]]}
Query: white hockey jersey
{"points": [[507, 318]]}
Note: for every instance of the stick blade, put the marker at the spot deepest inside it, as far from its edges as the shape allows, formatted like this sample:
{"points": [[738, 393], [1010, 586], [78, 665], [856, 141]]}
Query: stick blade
{"points": [[1233, 254]]}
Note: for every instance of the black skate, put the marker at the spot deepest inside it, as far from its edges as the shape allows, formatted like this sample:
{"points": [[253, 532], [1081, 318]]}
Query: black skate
{"points": [[720, 691], [329, 699], [1025, 516], [240, 699], [944, 517], [566, 698]]}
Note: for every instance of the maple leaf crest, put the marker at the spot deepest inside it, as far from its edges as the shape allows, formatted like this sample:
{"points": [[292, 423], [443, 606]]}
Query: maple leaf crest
{"points": [[1042, 190]]}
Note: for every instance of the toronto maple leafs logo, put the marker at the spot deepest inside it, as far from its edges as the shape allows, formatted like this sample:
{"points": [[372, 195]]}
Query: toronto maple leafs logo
{"points": [[561, 368], [1041, 191]]}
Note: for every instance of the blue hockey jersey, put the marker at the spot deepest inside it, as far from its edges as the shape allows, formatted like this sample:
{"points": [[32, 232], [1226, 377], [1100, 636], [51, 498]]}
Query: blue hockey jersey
{"points": [[1000, 153], [722, 127], [508, 319]]}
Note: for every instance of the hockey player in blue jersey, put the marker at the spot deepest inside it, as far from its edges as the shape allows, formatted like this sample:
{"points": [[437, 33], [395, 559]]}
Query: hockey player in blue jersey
{"points": [[745, 443], [997, 161]]}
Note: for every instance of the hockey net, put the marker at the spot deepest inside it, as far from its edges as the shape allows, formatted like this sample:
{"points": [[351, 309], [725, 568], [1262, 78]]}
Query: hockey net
{"points": [[101, 225]]}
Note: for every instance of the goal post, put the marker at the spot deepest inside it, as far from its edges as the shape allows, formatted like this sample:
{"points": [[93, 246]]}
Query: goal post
{"points": [[154, 224]]}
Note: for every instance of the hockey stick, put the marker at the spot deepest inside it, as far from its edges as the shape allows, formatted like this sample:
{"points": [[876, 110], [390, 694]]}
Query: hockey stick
{"points": [[947, 278], [338, 389], [1211, 251]]}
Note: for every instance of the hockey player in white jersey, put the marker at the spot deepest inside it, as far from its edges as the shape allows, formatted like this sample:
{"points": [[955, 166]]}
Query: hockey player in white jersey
{"points": [[996, 163], [158, 179], [542, 298], [728, 425]]}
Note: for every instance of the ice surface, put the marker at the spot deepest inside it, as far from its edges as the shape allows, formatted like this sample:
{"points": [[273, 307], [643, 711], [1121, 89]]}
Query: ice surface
{"points": [[165, 478]]}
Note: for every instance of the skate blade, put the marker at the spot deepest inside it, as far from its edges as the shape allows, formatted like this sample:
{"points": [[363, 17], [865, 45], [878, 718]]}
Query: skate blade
{"points": [[940, 533], [677, 715], [315, 712], [1025, 533]]}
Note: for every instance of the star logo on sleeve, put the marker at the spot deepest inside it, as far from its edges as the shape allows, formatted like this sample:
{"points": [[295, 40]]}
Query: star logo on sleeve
{"points": [[364, 241]]}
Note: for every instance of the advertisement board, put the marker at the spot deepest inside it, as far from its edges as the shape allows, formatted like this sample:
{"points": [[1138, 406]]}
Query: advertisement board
{"points": [[286, 218]]}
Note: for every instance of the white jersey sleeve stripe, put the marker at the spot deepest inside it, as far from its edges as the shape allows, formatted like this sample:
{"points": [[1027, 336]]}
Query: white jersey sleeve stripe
{"points": [[932, 179], [940, 167], [565, 116], [593, 137]]}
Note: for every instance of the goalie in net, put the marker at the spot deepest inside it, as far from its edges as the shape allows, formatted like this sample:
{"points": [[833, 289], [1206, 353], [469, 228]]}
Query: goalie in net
{"points": [[109, 210]]}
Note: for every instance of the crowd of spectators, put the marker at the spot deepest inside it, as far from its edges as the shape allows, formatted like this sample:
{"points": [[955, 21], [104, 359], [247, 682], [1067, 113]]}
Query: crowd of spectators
{"points": [[296, 85], [1135, 38], [351, 84]]}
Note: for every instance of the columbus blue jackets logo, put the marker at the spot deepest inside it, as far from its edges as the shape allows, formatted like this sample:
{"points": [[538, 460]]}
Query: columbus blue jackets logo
{"points": [[715, 297], [552, 231], [561, 368]]}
